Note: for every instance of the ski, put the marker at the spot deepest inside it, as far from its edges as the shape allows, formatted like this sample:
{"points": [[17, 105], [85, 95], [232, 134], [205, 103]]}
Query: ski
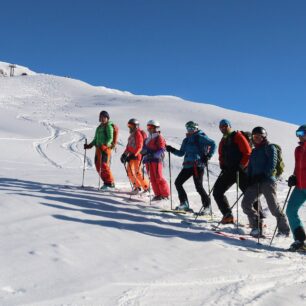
{"points": [[240, 236], [175, 211]]}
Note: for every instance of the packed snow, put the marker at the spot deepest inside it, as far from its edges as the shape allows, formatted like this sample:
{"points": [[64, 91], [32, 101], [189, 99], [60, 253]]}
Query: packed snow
{"points": [[66, 245]]}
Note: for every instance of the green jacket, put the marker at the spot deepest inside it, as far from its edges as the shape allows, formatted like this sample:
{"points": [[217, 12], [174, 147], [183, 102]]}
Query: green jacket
{"points": [[104, 135]]}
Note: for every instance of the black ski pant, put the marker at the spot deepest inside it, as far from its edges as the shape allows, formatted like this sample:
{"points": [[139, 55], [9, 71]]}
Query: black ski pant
{"points": [[197, 174], [225, 181]]}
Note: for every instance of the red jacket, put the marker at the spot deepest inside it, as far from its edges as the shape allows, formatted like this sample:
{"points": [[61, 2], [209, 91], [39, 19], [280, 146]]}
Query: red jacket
{"points": [[135, 143], [300, 166]]}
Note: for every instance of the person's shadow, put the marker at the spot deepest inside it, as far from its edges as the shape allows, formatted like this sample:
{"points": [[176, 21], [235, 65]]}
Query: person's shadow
{"points": [[115, 211]]}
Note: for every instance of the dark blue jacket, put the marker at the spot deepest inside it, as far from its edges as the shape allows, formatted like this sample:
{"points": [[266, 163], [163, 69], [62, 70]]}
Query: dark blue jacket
{"points": [[194, 147], [263, 161]]}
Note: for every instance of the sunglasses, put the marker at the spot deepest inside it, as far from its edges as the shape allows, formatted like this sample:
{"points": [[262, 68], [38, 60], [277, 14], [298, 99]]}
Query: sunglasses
{"points": [[149, 126], [131, 125], [300, 133], [223, 126]]}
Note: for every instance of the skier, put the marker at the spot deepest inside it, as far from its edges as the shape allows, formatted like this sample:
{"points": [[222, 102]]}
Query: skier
{"points": [[262, 180], [133, 157], [197, 149], [298, 196], [153, 151], [103, 141], [234, 153]]}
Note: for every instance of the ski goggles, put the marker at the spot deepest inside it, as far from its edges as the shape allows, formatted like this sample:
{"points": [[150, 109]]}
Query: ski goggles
{"points": [[300, 133], [190, 129], [150, 126]]}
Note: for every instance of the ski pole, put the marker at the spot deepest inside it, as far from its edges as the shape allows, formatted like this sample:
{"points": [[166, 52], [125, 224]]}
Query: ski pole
{"points": [[127, 174], [170, 180], [84, 164], [149, 175], [258, 217], [237, 191], [230, 209], [209, 194], [285, 203], [100, 169]]}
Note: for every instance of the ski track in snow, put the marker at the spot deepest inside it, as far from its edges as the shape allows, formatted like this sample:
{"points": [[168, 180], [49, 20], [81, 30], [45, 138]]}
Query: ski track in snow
{"points": [[55, 132]]}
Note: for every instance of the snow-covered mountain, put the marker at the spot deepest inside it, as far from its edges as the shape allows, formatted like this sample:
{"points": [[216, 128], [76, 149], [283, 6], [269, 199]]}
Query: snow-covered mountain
{"points": [[65, 245]]}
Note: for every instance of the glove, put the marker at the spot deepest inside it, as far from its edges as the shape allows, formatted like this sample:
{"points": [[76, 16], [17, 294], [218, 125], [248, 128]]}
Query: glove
{"points": [[87, 146], [123, 158], [292, 181], [104, 148], [130, 157], [170, 149]]}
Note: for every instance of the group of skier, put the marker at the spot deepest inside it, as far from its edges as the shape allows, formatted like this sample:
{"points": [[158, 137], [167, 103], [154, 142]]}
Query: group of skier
{"points": [[250, 161]]}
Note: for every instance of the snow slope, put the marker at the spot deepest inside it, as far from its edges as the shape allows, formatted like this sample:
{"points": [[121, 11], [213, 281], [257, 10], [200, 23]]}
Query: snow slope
{"points": [[63, 245]]}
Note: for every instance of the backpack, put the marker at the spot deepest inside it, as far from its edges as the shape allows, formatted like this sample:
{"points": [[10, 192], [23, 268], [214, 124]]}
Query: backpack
{"points": [[247, 135], [115, 135], [280, 165]]}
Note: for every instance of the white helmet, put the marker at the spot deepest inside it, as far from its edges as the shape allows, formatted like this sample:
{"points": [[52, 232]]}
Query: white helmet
{"points": [[154, 123]]}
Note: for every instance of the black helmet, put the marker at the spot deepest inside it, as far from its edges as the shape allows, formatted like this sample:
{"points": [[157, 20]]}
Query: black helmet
{"points": [[302, 128], [134, 121], [260, 130], [104, 114]]}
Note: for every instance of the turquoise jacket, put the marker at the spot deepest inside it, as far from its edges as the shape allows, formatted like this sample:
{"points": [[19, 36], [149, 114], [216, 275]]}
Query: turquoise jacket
{"points": [[194, 147]]}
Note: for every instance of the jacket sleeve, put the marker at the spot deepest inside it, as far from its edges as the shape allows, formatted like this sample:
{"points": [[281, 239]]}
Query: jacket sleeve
{"points": [[181, 152], [244, 148], [210, 146], [272, 160], [220, 151], [138, 143], [250, 168]]}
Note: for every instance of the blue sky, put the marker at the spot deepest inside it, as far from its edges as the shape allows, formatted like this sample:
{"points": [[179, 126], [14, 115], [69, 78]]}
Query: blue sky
{"points": [[246, 55]]}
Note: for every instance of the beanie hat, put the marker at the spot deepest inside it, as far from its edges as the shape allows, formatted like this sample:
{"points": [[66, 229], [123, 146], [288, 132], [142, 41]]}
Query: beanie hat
{"points": [[225, 122], [104, 114]]}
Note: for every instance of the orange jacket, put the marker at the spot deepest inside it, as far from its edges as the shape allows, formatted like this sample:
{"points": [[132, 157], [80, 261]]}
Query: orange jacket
{"points": [[135, 143]]}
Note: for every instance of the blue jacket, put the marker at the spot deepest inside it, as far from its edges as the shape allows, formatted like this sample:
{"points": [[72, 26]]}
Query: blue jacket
{"points": [[263, 161], [194, 147]]}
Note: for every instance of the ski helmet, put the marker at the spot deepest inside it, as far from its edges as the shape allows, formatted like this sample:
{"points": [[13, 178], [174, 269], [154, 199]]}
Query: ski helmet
{"points": [[259, 130], [104, 114], [301, 131], [191, 125], [154, 123], [134, 121]]}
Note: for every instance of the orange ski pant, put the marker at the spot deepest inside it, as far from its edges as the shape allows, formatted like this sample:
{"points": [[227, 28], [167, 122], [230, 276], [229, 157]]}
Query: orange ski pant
{"points": [[102, 163], [135, 175]]}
